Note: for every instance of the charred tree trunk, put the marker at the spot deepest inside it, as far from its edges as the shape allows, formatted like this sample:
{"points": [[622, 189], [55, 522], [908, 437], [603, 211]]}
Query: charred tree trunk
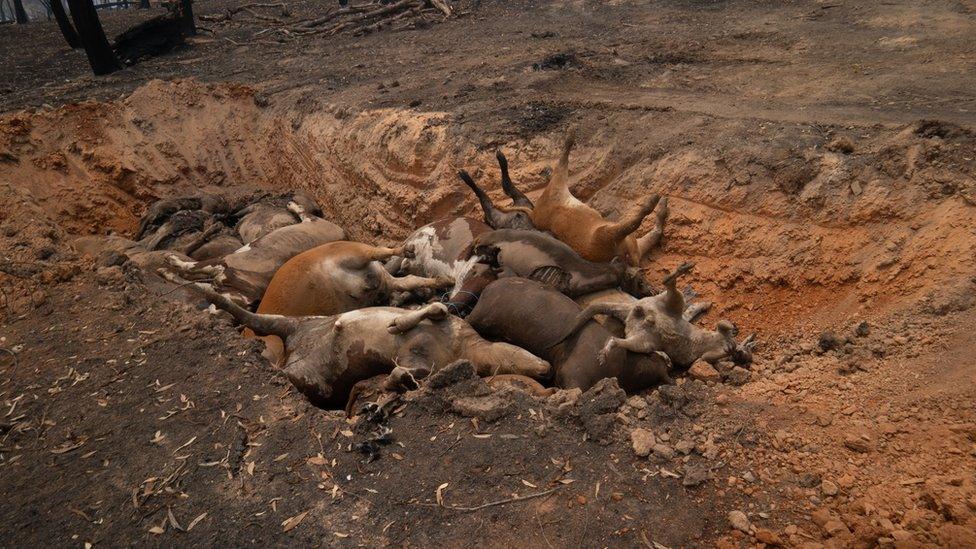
{"points": [[19, 12], [99, 52], [65, 24], [187, 24]]}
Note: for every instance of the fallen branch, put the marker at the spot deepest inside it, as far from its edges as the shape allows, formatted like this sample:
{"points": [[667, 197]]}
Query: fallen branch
{"points": [[365, 17], [332, 15], [384, 22], [500, 502]]}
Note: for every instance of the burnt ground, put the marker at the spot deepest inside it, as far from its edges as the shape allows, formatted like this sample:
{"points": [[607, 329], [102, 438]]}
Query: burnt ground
{"points": [[125, 405], [141, 412]]}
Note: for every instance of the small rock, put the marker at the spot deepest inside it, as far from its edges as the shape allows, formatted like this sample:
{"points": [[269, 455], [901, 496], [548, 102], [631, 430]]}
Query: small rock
{"points": [[857, 444], [821, 517], [863, 329], [828, 488], [685, 446], [695, 475], [109, 275], [902, 535], [835, 528], [770, 538], [642, 441], [704, 371], [722, 399], [637, 402], [808, 480], [739, 521], [824, 419], [748, 476], [663, 451], [739, 376]]}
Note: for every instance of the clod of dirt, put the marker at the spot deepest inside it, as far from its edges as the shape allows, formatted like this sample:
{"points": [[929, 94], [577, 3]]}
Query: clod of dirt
{"points": [[642, 442], [739, 521], [695, 475], [489, 408], [598, 408], [940, 129], [841, 144], [828, 341], [556, 62], [704, 371]]}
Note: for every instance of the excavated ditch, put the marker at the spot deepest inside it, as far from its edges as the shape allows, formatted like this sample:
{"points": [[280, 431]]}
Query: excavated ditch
{"points": [[169, 417], [784, 236]]}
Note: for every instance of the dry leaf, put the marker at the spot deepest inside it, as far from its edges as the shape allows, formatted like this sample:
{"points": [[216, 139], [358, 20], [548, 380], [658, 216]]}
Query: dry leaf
{"points": [[340, 535], [439, 494], [195, 521], [156, 530], [567, 480], [529, 484], [317, 460], [67, 447], [347, 433], [279, 458], [172, 519], [250, 468], [294, 521], [481, 436]]}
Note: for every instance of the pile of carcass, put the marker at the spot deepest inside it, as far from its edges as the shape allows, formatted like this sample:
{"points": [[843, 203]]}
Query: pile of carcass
{"points": [[544, 294]]}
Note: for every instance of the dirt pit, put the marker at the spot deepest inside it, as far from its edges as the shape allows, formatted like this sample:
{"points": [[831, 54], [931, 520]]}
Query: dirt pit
{"points": [[132, 416]]}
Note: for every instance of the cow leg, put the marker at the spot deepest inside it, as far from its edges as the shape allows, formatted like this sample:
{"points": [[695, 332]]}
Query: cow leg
{"points": [[631, 221], [636, 343], [619, 311], [408, 321], [300, 212], [204, 237], [406, 283], [652, 239], [164, 232], [674, 300], [194, 269], [695, 310], [489, 358], [493, 216], [518, 197]]}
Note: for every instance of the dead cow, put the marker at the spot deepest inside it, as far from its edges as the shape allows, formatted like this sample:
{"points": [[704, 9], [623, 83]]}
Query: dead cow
{"points": [[335, 278], [268, 214], [539, 256], [246, 273], [540, 319], [516, 216], [330, 354], [161, 210], [585, 230], [440, 249], [658, 323]]}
